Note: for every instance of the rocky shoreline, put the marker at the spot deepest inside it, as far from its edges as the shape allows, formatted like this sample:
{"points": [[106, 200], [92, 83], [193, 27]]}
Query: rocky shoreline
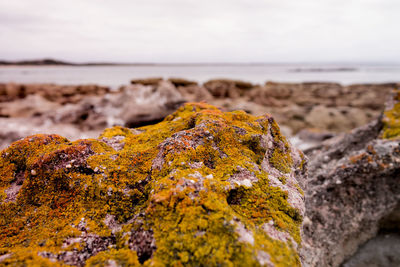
{"points": [[312, 111], [201, 185]]}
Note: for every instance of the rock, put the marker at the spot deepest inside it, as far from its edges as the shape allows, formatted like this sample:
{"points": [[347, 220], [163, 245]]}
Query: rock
{"points": [[202, 187], [11, 91], [88, 114], [13, 129], [353, 184], [182, 82], [293, 116], [335, 119], [194, 93], [371, 96], [30, 106], [132, 106], [391, 222], [143, 105], [148, 81], [382, 251], [391, 117], [64, 94], [61, 94], [222, 88], [310, 138], [327, 106], [366, 96], [14, 91], [241, 104]]}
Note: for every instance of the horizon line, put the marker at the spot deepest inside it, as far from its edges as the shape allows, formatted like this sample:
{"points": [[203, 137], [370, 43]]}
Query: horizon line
{"points": [[55, 62]]}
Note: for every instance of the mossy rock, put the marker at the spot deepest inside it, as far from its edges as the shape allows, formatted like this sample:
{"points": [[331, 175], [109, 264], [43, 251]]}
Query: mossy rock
{"points": [[391, 117], [201, 188]]}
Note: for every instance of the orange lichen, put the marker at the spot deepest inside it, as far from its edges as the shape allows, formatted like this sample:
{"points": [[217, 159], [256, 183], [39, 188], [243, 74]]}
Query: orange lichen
{"points": [[363, 156]]}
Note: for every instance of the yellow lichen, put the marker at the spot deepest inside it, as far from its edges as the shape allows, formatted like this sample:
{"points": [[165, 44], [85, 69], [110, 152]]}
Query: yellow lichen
{"points": [[113, 257], [171, 182], [391, 119]]}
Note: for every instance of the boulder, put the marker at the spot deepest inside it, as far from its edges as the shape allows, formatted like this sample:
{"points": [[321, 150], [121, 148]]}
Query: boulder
{"points": [[202, 188], [11, 91], [13, 129], [339, 119], [14, 91], [147, 81], [88, 114], [142, 105], [223, 88], [381, 251], [182, 82], [60, 94], [353, 185], [195, 93], [134, 105], [368, 96], [30, 106]]}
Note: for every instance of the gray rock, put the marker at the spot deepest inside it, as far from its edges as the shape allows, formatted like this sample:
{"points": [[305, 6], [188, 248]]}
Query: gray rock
{"points": [[353, 184]]}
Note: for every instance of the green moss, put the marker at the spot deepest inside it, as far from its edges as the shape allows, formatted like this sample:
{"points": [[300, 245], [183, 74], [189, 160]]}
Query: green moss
{"points": [[170, 182]]}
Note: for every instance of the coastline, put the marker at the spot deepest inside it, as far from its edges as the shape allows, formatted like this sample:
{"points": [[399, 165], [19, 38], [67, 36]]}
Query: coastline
{"points": [[307, 112]]}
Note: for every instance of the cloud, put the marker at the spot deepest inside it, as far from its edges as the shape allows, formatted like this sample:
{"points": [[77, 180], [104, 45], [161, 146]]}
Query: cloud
{"points": [[200, 31]]}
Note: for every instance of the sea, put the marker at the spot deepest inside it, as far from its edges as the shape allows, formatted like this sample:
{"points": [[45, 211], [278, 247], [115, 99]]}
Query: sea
{"points": [[117, 75]]}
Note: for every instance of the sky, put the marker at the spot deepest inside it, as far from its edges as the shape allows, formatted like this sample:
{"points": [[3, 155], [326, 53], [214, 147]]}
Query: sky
{"points": [[207, 31]]}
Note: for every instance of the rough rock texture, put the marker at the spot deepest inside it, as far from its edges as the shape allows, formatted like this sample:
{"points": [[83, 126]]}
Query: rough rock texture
{"points": [[353, 184], [381, 251], [202, 187]]}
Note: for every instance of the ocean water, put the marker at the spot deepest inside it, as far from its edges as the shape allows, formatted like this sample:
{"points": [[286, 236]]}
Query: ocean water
{"points": [[115, 76]]}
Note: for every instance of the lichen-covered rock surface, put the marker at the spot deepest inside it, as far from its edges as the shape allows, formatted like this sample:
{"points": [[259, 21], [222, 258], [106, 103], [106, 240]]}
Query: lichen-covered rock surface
{"points": [[353, 186], [201, 188]]}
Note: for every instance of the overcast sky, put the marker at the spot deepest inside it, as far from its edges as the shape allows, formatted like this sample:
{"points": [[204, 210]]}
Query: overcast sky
{"points": [[201, 30]]}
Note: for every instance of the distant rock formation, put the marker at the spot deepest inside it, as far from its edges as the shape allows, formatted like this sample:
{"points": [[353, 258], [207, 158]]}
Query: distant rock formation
{"points": [[56, 62], [38, 62]]}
